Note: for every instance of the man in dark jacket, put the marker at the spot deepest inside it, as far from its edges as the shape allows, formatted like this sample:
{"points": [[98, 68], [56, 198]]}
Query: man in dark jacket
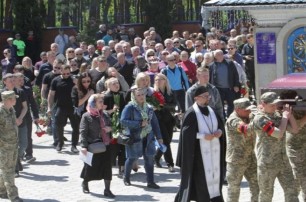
{"points": [[224, 75]]}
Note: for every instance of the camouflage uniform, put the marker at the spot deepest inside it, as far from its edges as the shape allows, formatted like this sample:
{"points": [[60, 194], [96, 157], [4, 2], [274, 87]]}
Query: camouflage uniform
{"points": [[296, 151], [8, 152], [272, 160], [240, 156]]}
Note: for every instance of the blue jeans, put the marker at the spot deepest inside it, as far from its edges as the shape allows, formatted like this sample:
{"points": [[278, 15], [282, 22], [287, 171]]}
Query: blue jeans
{"points": [[22, 139], [148, 165]]}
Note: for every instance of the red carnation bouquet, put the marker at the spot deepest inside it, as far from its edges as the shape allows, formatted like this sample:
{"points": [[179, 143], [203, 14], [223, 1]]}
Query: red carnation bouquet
{"points": [[157, 100]]}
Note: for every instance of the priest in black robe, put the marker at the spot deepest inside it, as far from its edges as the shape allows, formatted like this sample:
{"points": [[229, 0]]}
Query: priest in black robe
{"points": [[201, 140]]}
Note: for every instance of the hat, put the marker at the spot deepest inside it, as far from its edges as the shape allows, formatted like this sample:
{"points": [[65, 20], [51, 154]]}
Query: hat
{"points": [[8, 94], [269, 98], [200, 90], [8, 75], [242, 103], [9, 39]]}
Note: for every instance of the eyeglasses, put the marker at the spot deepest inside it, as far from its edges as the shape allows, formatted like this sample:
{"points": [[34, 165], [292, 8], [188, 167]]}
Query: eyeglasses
{"points": [[86, 81], [165, 53], [70, 51], [57, 67], [205, 96], [151, 55], [197, 46]]}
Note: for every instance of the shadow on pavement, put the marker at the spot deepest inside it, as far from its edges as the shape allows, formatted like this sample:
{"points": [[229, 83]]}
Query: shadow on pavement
{"points": [[35, 146], [35, 177], [144, 197], [52, 162], [44, 200]]}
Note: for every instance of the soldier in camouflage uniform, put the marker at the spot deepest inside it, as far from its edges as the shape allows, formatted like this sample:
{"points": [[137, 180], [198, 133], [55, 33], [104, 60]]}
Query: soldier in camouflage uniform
{"points": [[8, 146], [296, 150], [272, 161], [240, 156]]}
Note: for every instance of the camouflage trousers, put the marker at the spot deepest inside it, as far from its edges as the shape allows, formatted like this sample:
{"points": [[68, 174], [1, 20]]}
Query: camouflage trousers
{"points": [[234, 175], [8, 158], [266, 178], [299, 172]]}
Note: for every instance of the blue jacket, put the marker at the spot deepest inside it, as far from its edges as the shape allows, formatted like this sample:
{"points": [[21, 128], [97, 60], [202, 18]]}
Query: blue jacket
{"points": [[178, 79], [131, 119]]}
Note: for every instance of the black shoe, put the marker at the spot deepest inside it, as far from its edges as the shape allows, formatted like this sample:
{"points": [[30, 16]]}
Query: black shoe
{"points": [[20, 167], [109, 194], [74, 149], [85, 187], [121, 173], [153, 185], [30, 159], [126, 182], [16, 174], [17, 199], [4, 196], [157, 164], [59, 148], [65, 139]]}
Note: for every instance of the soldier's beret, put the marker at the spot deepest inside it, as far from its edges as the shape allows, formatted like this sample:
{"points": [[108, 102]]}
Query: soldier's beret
{"points": [[8, 94]]}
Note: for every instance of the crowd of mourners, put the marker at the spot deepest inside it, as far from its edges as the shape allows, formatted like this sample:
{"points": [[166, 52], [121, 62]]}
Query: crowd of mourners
{"points": [[145, 87]]}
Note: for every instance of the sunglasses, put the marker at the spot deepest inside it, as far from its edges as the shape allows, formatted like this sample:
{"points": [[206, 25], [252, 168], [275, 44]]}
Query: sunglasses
{"points": [[151, 55], [231, 48], [165, 53], [197, 46], [86, 81], [176, 42], [79, 53], [70, 51]]}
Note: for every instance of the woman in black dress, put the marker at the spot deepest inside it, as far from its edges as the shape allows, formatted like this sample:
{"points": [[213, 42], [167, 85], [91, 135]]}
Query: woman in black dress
{"points": [[96, 125]]}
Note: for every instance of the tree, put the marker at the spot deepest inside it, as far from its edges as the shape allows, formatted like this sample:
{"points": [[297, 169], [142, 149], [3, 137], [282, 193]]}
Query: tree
{"points": [[162, 20]]}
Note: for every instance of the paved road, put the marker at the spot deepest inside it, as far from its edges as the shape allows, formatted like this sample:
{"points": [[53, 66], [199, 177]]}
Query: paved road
{"points": [[54, 177]]}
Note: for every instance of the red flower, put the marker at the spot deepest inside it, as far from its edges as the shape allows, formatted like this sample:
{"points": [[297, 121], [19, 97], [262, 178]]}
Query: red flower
{"points": [[39, 132], [160, 98]]}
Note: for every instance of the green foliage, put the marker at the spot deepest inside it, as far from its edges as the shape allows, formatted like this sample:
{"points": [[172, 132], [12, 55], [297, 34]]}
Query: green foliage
{"points": [[88, 34], [159, 15]]}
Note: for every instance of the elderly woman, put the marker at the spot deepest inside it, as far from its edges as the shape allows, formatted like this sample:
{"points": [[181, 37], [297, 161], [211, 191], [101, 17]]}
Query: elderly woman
{"points": [[96, 126], [139, 118], [165, 119]]}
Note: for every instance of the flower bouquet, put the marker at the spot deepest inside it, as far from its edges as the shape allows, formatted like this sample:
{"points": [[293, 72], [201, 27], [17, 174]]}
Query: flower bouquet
{"points": [[39, 132], [157, 100]]}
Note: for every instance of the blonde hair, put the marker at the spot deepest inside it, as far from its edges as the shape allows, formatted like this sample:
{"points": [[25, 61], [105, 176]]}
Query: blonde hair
{"points": [[109, 81], [140, 76], [167, 85]]}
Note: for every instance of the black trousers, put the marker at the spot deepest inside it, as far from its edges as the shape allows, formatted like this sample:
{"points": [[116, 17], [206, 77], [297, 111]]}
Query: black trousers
{"points": [[166, 129], [29, 150], [179, 96], [61, 116], [227, 95], [117, 150]]}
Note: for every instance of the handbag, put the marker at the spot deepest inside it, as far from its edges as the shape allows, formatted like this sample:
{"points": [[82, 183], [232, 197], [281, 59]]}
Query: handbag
{"points": [[125, 137], [97, 147]]}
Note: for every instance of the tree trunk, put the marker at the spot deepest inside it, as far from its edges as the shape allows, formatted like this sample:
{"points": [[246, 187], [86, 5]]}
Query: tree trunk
{"points": [[8, 20], [51, 13], [106, 11], [93, 10], [65, 13]]}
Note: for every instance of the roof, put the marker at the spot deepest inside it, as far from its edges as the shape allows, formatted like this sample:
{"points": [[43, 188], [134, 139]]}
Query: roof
{"points": [[251, 2]]}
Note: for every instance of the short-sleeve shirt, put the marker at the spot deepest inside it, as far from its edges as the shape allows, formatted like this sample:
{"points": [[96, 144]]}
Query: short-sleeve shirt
{"points": [[62, 88]]}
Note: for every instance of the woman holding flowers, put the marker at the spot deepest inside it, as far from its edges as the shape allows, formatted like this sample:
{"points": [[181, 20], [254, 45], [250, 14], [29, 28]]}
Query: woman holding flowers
{"points": [[139, 118], [114, 101], [166, 101]]}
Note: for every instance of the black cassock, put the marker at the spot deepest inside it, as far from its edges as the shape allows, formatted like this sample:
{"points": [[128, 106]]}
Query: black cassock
{"points": [[193, 182]]}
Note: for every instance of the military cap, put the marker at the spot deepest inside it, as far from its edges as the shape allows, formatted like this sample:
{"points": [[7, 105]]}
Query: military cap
{"points": [[242, 103], [269, 98], [8, 94]]}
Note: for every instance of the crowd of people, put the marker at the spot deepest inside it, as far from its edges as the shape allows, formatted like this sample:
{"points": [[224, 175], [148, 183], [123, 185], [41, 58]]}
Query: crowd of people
{"points": [[146, 87]]}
